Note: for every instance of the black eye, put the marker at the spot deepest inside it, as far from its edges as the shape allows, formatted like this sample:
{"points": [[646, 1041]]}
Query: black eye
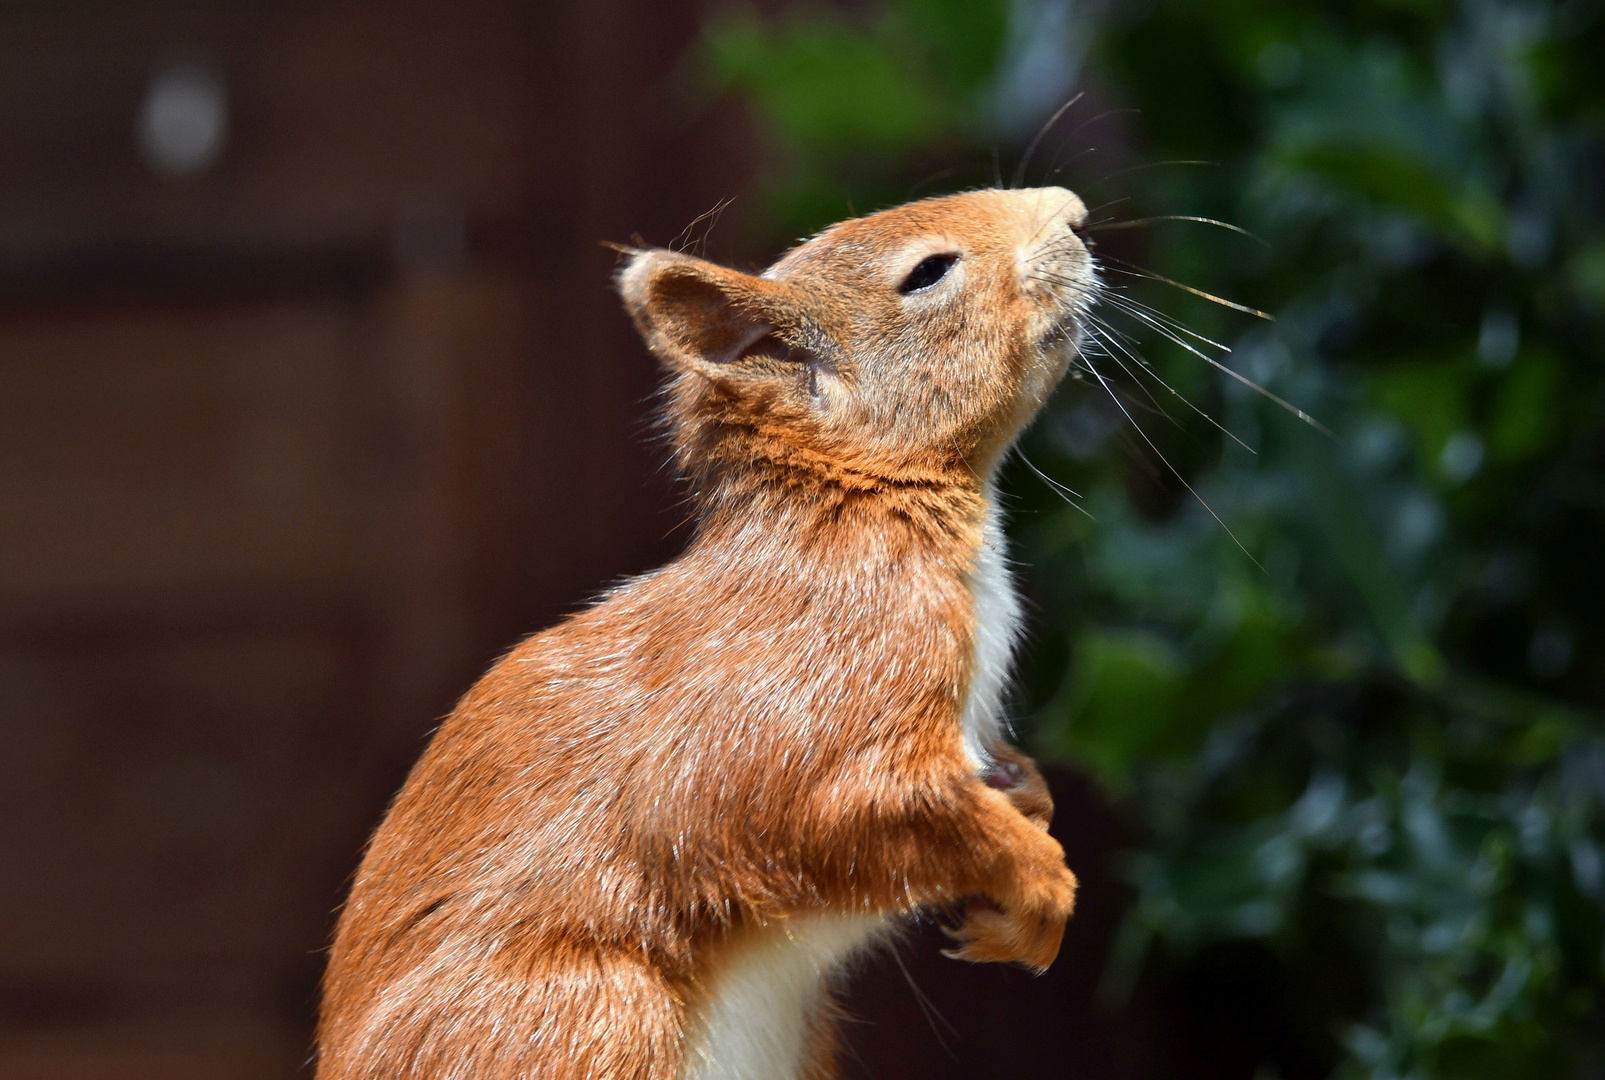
{"points": [[931, 269]]}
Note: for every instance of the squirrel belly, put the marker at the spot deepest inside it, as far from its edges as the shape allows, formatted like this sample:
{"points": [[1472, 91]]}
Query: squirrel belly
{"points": [[767, 1007]]}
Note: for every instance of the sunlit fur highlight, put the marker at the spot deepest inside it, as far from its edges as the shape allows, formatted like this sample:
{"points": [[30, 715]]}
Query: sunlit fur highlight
{"points": [[643, 844]]}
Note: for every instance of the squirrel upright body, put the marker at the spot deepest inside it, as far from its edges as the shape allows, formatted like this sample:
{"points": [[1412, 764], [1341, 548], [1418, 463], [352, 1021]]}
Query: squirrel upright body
{"points": [[645, 841]]}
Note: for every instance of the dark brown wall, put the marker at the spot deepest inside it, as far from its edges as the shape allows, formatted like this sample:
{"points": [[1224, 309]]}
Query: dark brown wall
{"points": [[289, 450]]}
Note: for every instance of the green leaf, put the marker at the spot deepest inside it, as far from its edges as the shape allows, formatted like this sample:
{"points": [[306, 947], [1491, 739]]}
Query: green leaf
{"points": [[1391, 176], [827, 85], [966, 36], [1525, 408], [1118, 706]]}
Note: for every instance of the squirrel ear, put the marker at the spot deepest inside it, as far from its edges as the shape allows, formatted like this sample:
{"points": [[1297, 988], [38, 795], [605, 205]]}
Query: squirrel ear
{"points": [[696, 314]]}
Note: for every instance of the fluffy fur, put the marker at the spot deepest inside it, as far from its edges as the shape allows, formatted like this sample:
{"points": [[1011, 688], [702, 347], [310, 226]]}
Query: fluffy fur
{"points": [[645, 840], [997, 628]]}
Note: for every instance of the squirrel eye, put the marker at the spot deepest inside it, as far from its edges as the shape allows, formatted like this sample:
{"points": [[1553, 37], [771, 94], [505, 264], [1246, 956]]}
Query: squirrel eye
{"points": [[931, 269]]}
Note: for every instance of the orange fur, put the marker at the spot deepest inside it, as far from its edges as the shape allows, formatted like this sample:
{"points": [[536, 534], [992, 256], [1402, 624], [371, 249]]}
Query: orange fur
{"points": [[766, 730]]}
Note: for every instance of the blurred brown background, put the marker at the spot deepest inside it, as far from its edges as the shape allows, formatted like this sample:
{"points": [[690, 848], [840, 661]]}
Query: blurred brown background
{"points": [[313, 397], [305, 413]]}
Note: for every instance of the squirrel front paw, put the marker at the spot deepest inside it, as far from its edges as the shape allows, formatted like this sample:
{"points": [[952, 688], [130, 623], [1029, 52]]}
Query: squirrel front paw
{"points": [[1026, 929], [1017, 776]]}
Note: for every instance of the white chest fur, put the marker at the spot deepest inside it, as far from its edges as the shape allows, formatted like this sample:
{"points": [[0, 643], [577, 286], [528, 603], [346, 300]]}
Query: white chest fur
{"points": [[754, 1023], [997, 628]]}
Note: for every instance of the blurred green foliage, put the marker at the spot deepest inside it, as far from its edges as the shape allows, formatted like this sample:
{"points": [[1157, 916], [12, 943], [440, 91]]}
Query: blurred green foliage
{"points": [[1360, 730]]}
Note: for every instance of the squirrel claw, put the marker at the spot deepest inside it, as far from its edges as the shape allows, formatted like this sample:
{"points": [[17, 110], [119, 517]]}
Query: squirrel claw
{"points": [[990, 935]]}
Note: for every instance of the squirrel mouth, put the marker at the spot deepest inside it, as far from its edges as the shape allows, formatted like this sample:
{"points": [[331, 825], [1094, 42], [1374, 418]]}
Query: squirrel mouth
{"points": [[1064, 335], [1059, 348]]}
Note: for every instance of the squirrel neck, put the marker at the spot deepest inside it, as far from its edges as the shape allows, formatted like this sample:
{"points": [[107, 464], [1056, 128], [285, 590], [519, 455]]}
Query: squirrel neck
{"points": [[797, 497], [745, 471]]}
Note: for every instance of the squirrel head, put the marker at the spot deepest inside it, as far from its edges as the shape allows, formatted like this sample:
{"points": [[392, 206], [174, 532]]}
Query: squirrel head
{"points": [[909, 346]]}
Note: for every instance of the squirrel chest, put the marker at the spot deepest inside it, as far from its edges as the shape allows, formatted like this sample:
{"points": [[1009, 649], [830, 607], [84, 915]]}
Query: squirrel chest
{"points": [[767, 988]]}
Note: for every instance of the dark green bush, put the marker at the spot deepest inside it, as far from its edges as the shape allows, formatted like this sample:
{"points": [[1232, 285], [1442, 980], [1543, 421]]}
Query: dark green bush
{"points": [[1350, 689]]}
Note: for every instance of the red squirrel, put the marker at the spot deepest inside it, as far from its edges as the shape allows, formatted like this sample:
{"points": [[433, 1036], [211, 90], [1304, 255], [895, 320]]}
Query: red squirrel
{"points": [[646, 841]]}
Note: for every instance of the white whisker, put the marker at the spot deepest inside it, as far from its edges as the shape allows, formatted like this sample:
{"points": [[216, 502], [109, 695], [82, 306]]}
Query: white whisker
{"points": [[1025, 160], [1140, 272], [1243, 379], [1133, 307], [1069, 495], [1138, 223], [1173, 470], [1104, 330]]}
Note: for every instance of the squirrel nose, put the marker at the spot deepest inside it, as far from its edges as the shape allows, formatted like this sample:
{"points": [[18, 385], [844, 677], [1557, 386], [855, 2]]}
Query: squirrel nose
{"points": [[1047, 203]]}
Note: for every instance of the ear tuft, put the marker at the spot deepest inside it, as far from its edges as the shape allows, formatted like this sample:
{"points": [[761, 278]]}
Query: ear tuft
{"points": [[636, 268]]}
